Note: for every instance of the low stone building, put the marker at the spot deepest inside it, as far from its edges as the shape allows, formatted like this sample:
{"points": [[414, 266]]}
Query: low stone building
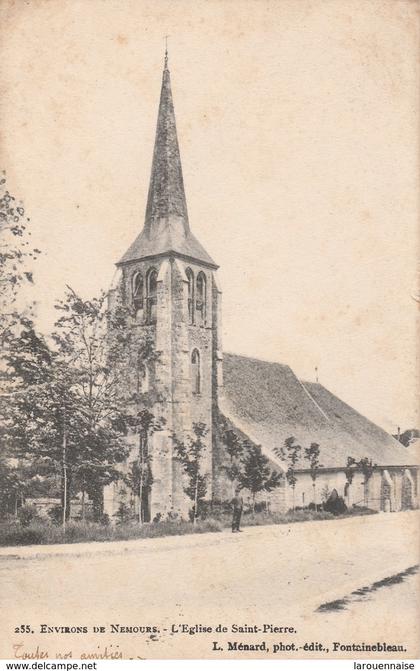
{"points": [[170, 282], [268, 403]]}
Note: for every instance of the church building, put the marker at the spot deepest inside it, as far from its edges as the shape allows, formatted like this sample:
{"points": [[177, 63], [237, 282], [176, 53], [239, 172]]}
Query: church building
{"points": [[170, 282]]}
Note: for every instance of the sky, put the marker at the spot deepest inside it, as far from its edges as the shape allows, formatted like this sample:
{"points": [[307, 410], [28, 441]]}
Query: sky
{"points": [[298, 129]]}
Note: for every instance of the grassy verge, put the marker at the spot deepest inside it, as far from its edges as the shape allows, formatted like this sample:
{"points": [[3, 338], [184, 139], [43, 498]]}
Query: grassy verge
{"points": [[41, 533], [305, 515], [38, 532]]}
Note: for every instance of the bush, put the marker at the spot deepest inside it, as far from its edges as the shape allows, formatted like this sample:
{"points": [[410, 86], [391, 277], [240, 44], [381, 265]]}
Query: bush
{"points": [[361, 510], [215, 509], [56, 514], [261, 507], [103, 520], [335, 504], [27, 514], [16, 534], [123, 514], [318, 506]]}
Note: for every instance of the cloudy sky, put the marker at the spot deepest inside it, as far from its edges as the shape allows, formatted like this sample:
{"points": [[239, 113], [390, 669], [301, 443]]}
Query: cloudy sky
{"points": [[297, 123]]}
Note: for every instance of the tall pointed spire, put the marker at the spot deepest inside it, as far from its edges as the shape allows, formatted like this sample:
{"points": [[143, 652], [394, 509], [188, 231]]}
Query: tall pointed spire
{"points": [[166, 227], [166, 190]]}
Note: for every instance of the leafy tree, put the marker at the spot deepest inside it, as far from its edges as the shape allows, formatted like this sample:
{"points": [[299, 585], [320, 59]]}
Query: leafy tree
{"points": [[190, 454], [11, 486], [38, 409], [28, 514], [256, 474], [325, 493], [123, 513], [234, 449], [17, 255], [105, 352], [68, 403], [140, 477], [367, 467], [312, 455], [95, 344], [290, 452], [349, 471], [16, 260]]}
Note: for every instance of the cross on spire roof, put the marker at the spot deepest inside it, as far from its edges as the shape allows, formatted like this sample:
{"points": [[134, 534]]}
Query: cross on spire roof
{"points": [[166, 52]]}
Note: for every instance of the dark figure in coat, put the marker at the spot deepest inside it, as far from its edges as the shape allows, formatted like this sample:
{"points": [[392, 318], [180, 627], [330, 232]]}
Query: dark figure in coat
{"points": [[237, 504]]}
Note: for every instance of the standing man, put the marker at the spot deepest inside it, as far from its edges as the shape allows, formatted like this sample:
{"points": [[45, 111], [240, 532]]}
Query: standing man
{"points": [[237, 504]]}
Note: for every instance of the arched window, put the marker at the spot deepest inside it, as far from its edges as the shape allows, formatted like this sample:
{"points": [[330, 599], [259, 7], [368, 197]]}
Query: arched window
{"points": [[151, 295], [190, 277], [201, 303], [195, 372], [137, 290]]}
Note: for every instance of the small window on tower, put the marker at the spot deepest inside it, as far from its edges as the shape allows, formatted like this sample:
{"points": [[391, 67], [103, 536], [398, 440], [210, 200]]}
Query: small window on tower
{"points": [[201, 298], [195, 372], [151, 295], [190, 277], [137, 291]]}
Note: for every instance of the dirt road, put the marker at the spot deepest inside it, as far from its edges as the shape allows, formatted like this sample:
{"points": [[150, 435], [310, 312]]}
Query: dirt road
{"points": [[263, 586]]}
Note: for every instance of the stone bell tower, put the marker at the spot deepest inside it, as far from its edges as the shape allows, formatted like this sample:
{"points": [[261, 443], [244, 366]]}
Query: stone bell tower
{"points": [[170, 281]]}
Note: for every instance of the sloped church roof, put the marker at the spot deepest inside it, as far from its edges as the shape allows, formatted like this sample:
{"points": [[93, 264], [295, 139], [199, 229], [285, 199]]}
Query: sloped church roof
{"points": [[166, 227], [269, 403]]}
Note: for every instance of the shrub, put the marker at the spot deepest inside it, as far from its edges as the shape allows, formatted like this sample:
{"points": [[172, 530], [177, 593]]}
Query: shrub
{"points": [[335, 504], [215, 509], [123, 513], [27, 514], [261, 507], [361, 510], [56, 514], [103, 520], [16, 534]]}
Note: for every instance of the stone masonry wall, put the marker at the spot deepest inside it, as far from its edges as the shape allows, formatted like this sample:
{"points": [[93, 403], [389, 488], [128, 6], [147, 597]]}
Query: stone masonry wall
{"points": [[169, 378]]}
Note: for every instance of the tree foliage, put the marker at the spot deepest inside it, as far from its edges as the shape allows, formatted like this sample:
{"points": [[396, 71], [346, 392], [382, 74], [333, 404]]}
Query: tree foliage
{"points": [[234, 448], [312, 454], [290, 452], [16, 260], [190, 454], [367, 468], [350, 469], [143, 424], [69, 406], [256, 474]]}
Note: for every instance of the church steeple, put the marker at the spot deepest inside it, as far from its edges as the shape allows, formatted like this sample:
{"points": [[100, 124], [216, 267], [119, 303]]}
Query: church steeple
{"points": [[166, 227], [166, 190], [168, 283]]}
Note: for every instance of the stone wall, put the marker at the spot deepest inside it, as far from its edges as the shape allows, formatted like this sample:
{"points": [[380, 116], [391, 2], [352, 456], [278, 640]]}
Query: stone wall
{"points": [[169, 379], [388, 489]]}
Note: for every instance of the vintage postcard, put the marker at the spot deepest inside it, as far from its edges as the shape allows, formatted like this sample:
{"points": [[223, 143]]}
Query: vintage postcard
{"points": [[209, 397]]}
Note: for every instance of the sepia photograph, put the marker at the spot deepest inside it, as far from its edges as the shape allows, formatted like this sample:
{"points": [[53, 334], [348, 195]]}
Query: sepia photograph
{"points": [[209, 408]]}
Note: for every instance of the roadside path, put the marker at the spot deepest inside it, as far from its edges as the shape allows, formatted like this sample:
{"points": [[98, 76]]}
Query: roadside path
{"points": [[273, 574]]}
